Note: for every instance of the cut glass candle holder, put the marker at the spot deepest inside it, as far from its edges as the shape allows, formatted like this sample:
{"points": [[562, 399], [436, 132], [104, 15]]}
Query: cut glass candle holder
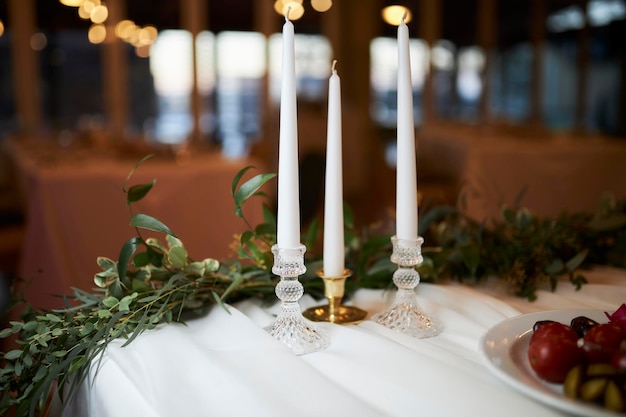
{"points": [[405, 315], [290, 327]]}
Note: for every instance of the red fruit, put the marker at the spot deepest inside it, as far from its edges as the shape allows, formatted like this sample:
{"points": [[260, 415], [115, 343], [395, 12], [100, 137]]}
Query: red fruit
{"points": [[602, 341], [552, 357], [618, 361], [554, 329]]}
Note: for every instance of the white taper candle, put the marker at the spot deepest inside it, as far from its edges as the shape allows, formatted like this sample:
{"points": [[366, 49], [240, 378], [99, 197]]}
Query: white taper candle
{"points": [[406, 171], [288, 216], [334, 252]]}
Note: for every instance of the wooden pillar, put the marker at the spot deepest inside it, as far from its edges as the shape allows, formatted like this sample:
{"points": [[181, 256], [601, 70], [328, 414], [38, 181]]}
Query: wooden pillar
{"points": [[115, 74], [430, 31], [538, 39], [487, 37], [351, 25], [582, 59], [194, 19], [25, 65]]}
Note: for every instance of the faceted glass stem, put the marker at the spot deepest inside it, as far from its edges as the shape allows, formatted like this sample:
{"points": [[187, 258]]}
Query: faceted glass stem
{"points": [[290, 327], [405, 314]]}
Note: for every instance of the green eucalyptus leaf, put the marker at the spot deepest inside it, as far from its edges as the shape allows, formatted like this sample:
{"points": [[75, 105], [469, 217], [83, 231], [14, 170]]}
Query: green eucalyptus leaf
{"points": [[141, 259], [6, 333], [12, 355], [139, 191], [145, 221], [60, 353], [195, 269], [173, 241], [348, 216], [177, 257], [132, 171], [248, 189], [110, 302], [104, 314], [471, 258], [126, 254], [106, 263], [311, 235], [237, 178], [246, 236], [555, 267], [577, 260], [265, 229], [42, 372], [269, 217], [211, 265]]}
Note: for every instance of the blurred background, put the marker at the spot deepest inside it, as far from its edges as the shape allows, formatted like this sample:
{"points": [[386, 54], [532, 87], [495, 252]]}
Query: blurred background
{"points": [[537, 83]]}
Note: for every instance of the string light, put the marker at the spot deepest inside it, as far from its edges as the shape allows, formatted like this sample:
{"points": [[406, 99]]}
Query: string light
{"points": [[297, 8]]}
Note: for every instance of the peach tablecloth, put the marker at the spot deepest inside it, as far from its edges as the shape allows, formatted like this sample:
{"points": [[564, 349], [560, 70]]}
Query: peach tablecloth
{"points": [[76, 211]]}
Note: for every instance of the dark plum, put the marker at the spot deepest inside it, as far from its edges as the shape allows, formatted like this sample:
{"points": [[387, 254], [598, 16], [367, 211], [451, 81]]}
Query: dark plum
{"points": [[541, 323], [581, 324]]}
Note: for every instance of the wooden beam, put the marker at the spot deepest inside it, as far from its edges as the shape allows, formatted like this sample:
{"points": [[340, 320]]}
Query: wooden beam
{"points": [[25, 66]]}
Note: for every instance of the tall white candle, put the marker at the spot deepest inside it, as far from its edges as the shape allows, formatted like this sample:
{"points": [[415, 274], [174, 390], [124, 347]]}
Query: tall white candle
{"points": [[334, 252], [288, 216], [406, 171]]}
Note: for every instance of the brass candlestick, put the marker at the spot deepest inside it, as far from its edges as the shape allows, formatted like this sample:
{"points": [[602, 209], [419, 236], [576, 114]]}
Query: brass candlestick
{"points": [[334, 311]]}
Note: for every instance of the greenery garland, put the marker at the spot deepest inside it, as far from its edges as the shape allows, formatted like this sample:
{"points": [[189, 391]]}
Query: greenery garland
{"points": [[156, 282]]}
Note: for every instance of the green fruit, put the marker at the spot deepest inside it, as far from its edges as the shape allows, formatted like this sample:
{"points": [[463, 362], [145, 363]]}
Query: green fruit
{"points": [[573, 381], [600, 369], [592, 390], [613, 397]]}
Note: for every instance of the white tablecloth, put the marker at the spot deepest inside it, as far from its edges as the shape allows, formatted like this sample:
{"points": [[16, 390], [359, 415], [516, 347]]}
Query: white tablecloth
{"points": [[227, 365]]}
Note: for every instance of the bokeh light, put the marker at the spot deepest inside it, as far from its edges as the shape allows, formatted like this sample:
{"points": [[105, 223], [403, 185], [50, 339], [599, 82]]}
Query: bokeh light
{"points": [[72, 3], [38, 41], [97, 33], [393, 15], [321, 5], [296, 12], [99, 14]]}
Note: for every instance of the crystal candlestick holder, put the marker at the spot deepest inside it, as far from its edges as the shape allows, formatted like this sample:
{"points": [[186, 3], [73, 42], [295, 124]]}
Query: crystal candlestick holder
{"points": [[290, 326], [334, 311], [405, 315]]}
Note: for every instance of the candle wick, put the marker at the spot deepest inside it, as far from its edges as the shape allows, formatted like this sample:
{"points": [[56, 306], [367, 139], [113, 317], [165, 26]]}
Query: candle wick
{"points": [[287, 14], [404, 16], [333, 67]]}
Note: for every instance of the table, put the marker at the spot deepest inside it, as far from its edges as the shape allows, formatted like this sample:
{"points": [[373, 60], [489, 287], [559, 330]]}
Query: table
{"points": [[227, 365], [76, 210], [549, 172]]}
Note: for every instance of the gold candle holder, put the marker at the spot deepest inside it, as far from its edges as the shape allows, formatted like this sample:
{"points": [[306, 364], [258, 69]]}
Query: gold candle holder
{"points": [[334, 311]]}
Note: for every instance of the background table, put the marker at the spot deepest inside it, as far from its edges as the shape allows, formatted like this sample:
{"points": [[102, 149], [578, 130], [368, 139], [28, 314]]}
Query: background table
{"points": [[76, 210], [552, 172], [227, 365]]}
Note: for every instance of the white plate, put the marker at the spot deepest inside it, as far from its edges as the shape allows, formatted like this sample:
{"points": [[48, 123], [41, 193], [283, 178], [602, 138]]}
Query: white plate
{"points": [[505, 348]]}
